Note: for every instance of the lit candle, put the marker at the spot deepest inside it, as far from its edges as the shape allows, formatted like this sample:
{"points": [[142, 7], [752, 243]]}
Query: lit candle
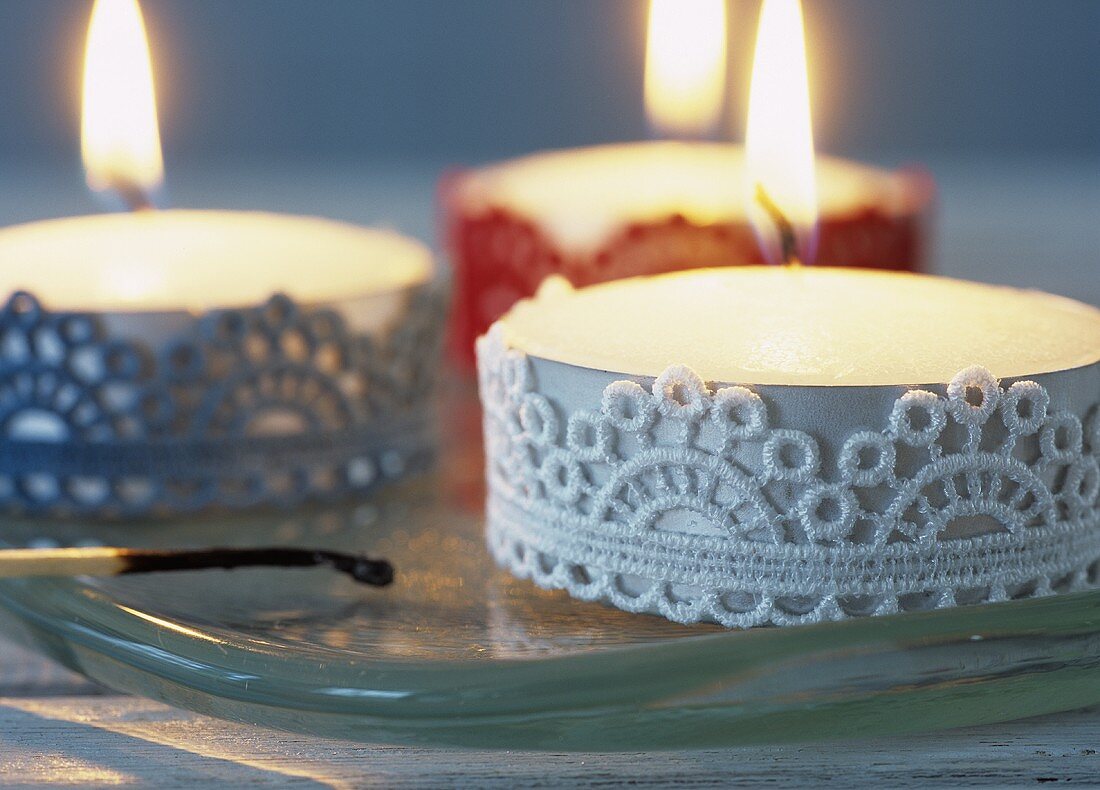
{"points": [[157, 361], [605, 212], [789, 445], [754, 446], [180, 260]]}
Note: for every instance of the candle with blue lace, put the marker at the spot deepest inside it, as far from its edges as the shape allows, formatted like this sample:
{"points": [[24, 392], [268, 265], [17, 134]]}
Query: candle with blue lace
{"points": [[160, 361]]}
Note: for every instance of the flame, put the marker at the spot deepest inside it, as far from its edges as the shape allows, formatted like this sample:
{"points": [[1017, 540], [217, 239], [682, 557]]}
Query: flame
{"points": [[120, 141], [779, 145], [685, 72]]}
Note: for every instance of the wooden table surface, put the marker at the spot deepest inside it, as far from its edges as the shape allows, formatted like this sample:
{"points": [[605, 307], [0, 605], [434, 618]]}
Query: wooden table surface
{"points": [[1024, 223]]}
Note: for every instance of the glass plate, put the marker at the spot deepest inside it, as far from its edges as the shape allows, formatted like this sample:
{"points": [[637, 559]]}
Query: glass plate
{"points": [[456, 652]]}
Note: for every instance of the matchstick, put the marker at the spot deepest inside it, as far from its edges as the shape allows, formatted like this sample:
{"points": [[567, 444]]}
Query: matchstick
{"points": [[109, 561]]}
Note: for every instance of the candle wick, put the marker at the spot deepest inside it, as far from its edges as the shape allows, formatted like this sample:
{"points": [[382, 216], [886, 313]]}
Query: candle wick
{"points": [[788, 241], [133, 196]]}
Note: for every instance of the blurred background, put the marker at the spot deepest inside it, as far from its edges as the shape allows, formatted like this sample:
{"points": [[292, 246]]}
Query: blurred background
{"points": [[350, 108], [470, 79]]}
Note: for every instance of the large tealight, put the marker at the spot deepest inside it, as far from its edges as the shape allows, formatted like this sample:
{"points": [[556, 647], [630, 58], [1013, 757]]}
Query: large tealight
{"points": [[756, 445], [807, 326], [160, 362]]}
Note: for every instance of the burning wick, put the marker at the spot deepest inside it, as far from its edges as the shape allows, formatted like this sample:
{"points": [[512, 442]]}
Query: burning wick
{"points": [[108, 561], [134, 197], [788, 242]]}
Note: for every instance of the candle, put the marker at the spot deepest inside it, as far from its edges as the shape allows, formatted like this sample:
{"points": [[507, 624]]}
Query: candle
{"points": [[756, 445], [827, 327], [605, 212], [753, 445], [169, 360], [194, 261]]}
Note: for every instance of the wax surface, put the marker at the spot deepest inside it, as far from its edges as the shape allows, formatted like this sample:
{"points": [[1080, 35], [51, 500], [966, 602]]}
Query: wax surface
{"points": [[581, 196], [828, 326], [195, 260]]}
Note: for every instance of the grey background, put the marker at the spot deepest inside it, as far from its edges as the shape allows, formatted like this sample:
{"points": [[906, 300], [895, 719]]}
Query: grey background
{"points": [[469, 80]]}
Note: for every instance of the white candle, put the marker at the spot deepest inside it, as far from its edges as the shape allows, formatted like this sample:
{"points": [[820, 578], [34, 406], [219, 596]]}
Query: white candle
{"points": [[814, 327], [197, 260], [757, 445]]}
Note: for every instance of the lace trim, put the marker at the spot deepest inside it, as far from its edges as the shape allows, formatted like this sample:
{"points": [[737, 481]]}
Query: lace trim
{"points": [[687, 502], [273, 403]]}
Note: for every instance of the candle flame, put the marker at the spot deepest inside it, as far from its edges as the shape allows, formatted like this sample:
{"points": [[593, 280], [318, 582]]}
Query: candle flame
{"points": [[120, 141], [779, 146], [685, 72]]}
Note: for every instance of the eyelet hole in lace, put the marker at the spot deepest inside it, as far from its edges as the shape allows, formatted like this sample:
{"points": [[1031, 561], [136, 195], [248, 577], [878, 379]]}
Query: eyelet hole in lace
{"points": [[868, 458], [829, 510], [1025, 409], [681, 593], [864, 531], [919, 418], [1087, 484], [631, 585], [919, 601], [77, 329], [972, 595], [256, 348], [545, 563], [1063, 583], [859, 605], [88, 490], [39, 487], [294, 346], [740, 601], [974, 396], [578, 574], [791, 456], [1020, 591], [586, 436], [797, 605], [679, 393]]}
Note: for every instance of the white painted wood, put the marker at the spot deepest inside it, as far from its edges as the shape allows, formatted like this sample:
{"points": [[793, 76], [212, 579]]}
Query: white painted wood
{"points": [[86, 741], [25, 673]]}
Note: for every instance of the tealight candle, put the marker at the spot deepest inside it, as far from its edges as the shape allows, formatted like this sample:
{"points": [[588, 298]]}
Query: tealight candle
{"points": [[166, 361], [194, 261], [806, 327], [604, 212], [752, 445]]}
